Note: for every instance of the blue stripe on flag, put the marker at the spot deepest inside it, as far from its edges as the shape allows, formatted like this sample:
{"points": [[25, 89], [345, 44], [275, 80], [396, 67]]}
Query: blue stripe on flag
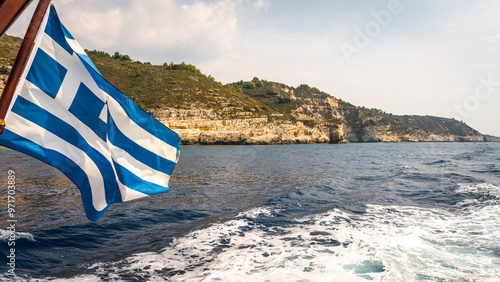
{"points": [[135, 113], [46, 73], [55, 31], [154, 161], [60, 161], [61, 129], [88, 61], [132, 181], [66, 32], [87, 107]]}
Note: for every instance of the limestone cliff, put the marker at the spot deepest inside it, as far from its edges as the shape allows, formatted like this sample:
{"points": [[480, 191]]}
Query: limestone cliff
{"points": [[348, 123], [202, 126], [490, 138]]}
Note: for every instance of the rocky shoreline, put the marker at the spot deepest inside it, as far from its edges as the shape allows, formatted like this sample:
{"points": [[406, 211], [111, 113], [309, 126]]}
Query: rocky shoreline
{"points": [[206, 127]]}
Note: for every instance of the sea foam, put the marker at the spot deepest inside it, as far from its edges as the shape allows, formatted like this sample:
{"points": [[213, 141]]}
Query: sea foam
{"points": [[387, 243]]}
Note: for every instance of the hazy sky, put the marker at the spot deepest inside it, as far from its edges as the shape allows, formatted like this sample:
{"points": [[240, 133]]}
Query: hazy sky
{"points": [[426, 57]]}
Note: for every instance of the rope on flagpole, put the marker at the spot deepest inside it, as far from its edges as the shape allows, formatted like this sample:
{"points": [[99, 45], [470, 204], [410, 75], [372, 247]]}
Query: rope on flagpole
{"points": [[21, 59]]}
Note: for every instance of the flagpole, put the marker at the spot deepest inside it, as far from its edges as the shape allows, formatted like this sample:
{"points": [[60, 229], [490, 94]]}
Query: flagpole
{"points": [[9, 11], [21, 59]]}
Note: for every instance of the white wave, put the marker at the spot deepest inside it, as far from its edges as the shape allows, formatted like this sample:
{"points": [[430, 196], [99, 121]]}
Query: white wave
{"points": [[6, 234], [488, 193], [11, 278], [79, 278], [387, 243], [432, 244], [480, 188], [256, 212]]}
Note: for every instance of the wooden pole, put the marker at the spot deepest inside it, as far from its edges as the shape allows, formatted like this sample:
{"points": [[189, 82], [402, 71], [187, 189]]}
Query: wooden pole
{"points": [[9, 11], [21, 59]]}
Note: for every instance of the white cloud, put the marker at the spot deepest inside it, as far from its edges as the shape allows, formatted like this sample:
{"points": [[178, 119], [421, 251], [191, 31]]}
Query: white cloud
{"points": [[493, 38], [261, 5], [159, 30]]}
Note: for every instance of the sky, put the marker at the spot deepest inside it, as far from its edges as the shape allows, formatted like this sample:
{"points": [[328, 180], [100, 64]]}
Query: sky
{"points": [[426, 57]]}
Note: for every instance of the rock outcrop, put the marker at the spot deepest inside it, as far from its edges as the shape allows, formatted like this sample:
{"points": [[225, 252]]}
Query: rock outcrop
{"points": [[202, 126], [4, 76], [490, 138], [371, 134]]}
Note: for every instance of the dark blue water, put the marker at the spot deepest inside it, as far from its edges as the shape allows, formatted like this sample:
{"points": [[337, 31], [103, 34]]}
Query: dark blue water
{"points": [[392, 212]]}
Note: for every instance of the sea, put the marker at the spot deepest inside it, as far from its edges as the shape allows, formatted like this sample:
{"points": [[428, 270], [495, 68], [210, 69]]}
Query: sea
{"points": [[323, 212]]}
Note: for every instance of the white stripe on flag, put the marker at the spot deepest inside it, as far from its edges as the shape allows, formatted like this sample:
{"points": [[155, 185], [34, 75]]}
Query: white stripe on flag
{"points": [[47, 140], [75, 46], [129, 194], [138, 168], [140, 136]]}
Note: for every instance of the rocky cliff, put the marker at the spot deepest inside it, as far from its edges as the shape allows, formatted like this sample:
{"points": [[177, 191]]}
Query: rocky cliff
{"points": [[205, 126], [349, 123], [490, 138]]}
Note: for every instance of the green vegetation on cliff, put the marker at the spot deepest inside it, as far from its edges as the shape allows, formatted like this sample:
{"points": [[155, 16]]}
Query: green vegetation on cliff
{"points": [[9, 45], [180, 86]]}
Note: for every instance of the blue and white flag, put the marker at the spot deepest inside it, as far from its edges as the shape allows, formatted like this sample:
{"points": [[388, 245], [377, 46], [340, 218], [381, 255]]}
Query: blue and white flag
{"points": [[67, 115]]}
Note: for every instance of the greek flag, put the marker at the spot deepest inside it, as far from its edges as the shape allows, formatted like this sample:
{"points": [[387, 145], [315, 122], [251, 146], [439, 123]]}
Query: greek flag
{"points": [[65, 114]]}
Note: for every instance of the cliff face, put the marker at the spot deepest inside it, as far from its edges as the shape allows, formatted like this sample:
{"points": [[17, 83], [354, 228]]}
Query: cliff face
{"points": [[344, 122], [201, 126], [490, 138], [414, 129], [371, 134]]}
